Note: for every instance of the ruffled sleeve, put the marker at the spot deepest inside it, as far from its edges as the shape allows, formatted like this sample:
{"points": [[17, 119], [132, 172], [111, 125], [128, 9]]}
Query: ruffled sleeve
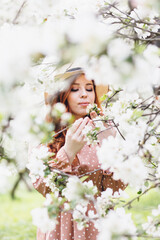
{"points": [[40, 186], [61, 161]]}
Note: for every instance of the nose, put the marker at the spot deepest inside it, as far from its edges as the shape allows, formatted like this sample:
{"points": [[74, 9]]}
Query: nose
{"points": [[83, 93]]}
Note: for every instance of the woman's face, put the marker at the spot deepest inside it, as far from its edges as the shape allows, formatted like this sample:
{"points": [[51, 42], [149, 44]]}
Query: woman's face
{"points": [[81, 95]]}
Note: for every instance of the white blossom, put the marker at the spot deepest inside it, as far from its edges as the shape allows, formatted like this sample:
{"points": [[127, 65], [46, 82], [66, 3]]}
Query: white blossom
{"points": [[119, 50], [102, 71], [79, 215], [7, 173], [150, 227], [112, 155], [66, 118], [132, 171], [79, 192], [114, 224], [36, 161], [48, 200], [158, 171], [51, 184], [41, 219], [58, 109], [107, 199], [156, 212]]}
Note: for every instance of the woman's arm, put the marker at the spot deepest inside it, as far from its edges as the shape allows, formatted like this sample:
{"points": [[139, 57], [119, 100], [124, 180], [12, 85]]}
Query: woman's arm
{"points": [[60, 162], [75, 140], [66, 158]]}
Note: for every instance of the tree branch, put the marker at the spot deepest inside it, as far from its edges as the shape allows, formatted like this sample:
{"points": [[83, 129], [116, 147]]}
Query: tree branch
{"points": [[19, 12], [136, 198]]}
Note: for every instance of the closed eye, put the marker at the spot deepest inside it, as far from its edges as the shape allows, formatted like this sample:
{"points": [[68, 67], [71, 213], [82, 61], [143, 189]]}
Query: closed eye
{"points": [[89, 90], [75, 90]]}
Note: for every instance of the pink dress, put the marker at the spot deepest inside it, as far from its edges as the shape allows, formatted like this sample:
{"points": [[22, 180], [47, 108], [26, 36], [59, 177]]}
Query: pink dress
{"points": [[86, 161]]}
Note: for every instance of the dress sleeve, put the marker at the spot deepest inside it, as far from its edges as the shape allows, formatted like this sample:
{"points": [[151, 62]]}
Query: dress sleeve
{"points": [[62, 163], [109, 182], [40, 186]]}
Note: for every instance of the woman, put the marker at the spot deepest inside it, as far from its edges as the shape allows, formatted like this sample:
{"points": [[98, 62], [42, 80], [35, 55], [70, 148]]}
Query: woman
{"points": [[74, 156]]}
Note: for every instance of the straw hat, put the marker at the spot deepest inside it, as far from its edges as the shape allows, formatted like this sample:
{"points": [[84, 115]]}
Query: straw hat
{"points": [[100, 89]]}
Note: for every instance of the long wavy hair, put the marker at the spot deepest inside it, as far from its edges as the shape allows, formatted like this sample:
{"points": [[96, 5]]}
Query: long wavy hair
{"points": [[61, 97]]}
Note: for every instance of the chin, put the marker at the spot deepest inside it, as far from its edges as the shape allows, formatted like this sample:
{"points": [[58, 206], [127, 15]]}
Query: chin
{"points": [[82, 115]]}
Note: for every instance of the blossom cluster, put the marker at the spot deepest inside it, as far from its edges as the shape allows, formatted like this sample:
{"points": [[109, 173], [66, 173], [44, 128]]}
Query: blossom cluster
{"points": [[152, 226], [36, 163]]}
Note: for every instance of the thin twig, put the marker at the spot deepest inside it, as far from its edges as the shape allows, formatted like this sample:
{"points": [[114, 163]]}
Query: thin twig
{"points": [[103, 120], [144, 101], [19, 12], [105, 129], [145, 107], [137, 38], [129, 203], [145, 135], [135, 26], [70, 175], [150, 114], [60, 172], [140, 235], [129, 16], [113, 96], [118, 130], [88, 173], [61, 130]]}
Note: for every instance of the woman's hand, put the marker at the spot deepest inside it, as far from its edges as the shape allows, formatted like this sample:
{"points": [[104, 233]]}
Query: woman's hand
{"points": [[74, 140]]}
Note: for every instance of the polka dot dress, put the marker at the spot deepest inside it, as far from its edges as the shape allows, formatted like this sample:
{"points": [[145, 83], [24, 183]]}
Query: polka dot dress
{"points": [[86, 161]]}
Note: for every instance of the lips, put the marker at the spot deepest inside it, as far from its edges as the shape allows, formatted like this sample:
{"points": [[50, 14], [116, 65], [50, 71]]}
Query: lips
{"points": [[83, 103]]}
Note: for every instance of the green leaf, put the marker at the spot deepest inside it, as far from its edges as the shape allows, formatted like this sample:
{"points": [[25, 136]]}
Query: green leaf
{"points": [[1, 117], [151, 124], [146, 184], [103, 97], [136, 114], [139, 48], [139, 192], [83, 178]]}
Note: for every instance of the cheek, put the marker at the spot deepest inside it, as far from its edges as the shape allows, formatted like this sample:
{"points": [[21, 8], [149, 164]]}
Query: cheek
{"points": [[71, 99], [92, 97], [73, 96]]}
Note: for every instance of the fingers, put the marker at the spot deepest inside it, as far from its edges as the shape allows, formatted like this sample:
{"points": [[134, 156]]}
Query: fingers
{"points": [[93, 114], [76, 131], [101, 113], [91, 124], [75, 126], [82, 125]]}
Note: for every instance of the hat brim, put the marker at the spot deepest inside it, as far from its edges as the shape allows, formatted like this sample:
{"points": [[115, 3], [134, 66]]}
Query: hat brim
{"points": [[66, 75], [100, 89]]}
